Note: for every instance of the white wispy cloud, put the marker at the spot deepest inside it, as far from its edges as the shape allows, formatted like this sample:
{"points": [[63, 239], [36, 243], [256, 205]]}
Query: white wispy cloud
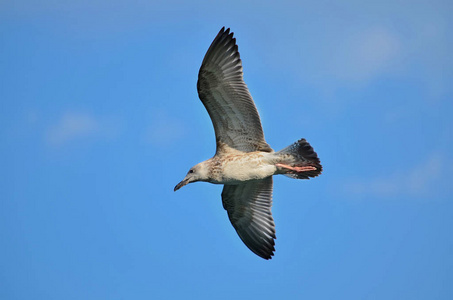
{"points": [[365, 54], [422, 179], [76, 126]]}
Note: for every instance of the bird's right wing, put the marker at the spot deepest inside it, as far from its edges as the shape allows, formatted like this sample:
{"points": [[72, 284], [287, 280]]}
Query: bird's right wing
{"points": [[226, 97], [249, 209]]}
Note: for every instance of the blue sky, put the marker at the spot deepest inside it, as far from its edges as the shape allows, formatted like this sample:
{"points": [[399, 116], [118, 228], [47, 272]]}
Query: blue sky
{"points": [[100, 119]]}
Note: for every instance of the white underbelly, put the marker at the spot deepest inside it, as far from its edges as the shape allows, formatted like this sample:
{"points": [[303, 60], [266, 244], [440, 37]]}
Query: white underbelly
{"points": [[239, 170]]}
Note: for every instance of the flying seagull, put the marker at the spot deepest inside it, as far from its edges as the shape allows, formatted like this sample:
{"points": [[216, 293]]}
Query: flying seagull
{"points": [[244, 163]]}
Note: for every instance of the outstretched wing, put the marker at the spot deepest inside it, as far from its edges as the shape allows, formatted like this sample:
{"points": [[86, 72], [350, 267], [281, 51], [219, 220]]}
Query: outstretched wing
{"points": [[249, 209], [226, 97]]}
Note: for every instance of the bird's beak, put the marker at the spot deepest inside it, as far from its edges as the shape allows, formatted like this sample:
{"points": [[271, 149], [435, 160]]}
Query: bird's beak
{"points": [[182, 183]]}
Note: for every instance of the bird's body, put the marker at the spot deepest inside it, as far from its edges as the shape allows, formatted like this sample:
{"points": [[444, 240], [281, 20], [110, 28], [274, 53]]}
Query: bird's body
{"points": [[243, 162], [235, 167]]}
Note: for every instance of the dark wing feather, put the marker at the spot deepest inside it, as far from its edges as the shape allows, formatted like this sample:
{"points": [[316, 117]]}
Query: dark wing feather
{"points": [[249, 209], [226, 97]]}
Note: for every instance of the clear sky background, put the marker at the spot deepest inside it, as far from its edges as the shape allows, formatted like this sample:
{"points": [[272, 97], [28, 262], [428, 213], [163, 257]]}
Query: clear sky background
{"points": [[100, 119]]}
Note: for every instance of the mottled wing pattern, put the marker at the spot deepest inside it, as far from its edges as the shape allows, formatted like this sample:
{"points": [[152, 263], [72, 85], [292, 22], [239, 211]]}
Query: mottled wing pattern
{"points": [[226, 97], [249, 209]]}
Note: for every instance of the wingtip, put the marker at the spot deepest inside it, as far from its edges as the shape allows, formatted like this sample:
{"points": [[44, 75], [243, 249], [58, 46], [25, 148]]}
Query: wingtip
{"points": [[267, 256], [225, 31], [266, 252]]}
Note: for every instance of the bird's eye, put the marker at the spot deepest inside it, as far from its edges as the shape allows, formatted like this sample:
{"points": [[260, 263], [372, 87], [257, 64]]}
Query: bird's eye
{"points": [[191, 171]]}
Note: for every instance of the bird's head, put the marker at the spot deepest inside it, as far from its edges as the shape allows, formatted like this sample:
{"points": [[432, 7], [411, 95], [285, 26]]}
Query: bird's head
{"points": [[198, 172]]}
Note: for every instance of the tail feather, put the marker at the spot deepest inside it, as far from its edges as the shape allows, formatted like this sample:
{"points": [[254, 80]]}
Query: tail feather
{"points": [[301, 154]]}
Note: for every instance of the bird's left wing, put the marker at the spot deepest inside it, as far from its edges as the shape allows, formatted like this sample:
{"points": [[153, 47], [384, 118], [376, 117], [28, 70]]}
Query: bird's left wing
{"points": [[226, 97], [249, 209]]}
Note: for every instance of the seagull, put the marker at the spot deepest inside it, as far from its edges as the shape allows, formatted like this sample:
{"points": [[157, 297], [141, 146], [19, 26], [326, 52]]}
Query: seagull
{"points": [[244, 163]]}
